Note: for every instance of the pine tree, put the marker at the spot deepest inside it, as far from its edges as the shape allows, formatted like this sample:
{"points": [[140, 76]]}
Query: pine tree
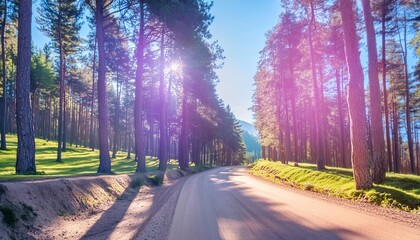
{"points": [[4, 15], [383, 9], [378, 161], [59, 19], [138, 105], [104, 158], [163, 124]]}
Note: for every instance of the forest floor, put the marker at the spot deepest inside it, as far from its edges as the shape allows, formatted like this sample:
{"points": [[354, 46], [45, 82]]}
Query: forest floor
{"points": [[400, 191], [76, 161]]}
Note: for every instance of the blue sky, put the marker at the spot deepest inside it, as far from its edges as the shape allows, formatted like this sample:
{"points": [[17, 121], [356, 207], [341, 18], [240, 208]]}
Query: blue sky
{"points": [[240, 27]]}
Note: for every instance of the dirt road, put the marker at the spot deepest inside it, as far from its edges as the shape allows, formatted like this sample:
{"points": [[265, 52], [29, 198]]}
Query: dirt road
{"points": [[222, 203], [227, 203]]}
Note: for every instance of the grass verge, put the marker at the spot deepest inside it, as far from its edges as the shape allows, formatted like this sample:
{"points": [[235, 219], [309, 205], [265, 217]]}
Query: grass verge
{"points": [[76, 161], [400, 191]]}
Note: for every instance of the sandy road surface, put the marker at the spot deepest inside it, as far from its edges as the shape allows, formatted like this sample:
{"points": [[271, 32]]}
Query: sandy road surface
{"points": [[227, 203]]}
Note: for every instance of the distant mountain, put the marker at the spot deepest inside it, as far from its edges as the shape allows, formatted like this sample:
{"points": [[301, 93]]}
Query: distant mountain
{"points": [[250, 138], [248, 127]]}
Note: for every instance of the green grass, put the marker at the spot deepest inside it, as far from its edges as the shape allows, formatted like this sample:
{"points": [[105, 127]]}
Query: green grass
{"points": [[401, 191], [76, 161]]}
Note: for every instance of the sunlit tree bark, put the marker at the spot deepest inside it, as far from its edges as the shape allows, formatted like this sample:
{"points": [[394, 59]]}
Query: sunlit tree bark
{"points": [[355, 98]]}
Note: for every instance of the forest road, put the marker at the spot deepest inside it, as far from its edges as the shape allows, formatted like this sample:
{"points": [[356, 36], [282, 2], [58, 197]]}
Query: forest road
{"points": [[228, 203]]}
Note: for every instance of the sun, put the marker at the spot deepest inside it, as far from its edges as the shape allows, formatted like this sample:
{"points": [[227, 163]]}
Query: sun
{"points": [[176, 67]]}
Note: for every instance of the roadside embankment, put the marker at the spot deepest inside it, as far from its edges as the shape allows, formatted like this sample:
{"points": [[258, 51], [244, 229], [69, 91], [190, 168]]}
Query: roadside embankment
{"points": [[42, 208]]}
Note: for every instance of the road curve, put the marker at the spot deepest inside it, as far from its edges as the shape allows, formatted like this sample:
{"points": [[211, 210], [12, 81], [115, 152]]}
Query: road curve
{"points": [[227, 203]]}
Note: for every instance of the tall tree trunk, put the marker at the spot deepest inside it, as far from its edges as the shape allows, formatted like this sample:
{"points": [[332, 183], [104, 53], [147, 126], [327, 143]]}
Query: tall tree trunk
{"points": [[54, 120], [293, 89], [3, 144], [150, 136], [129, 147], [77, 122], [34, 103], [323, 120], [72, 121], [195, 150], [318, 132], [92, 131], [263, 152], [356, 98], [288, 142], [168, 120], [280, 136], [183, 141], [49, 125], [163, 140], [65, 118], [61, 97], [305, 132], [377, 132], [138, 105], [279, 115], [417, 152], [385, 94], [116, 120], [82, 117], [183, 152], [395, 136], [407, 101], [25, 157], [313, 137], [128, 134], [341, 119], [104, 159]]}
